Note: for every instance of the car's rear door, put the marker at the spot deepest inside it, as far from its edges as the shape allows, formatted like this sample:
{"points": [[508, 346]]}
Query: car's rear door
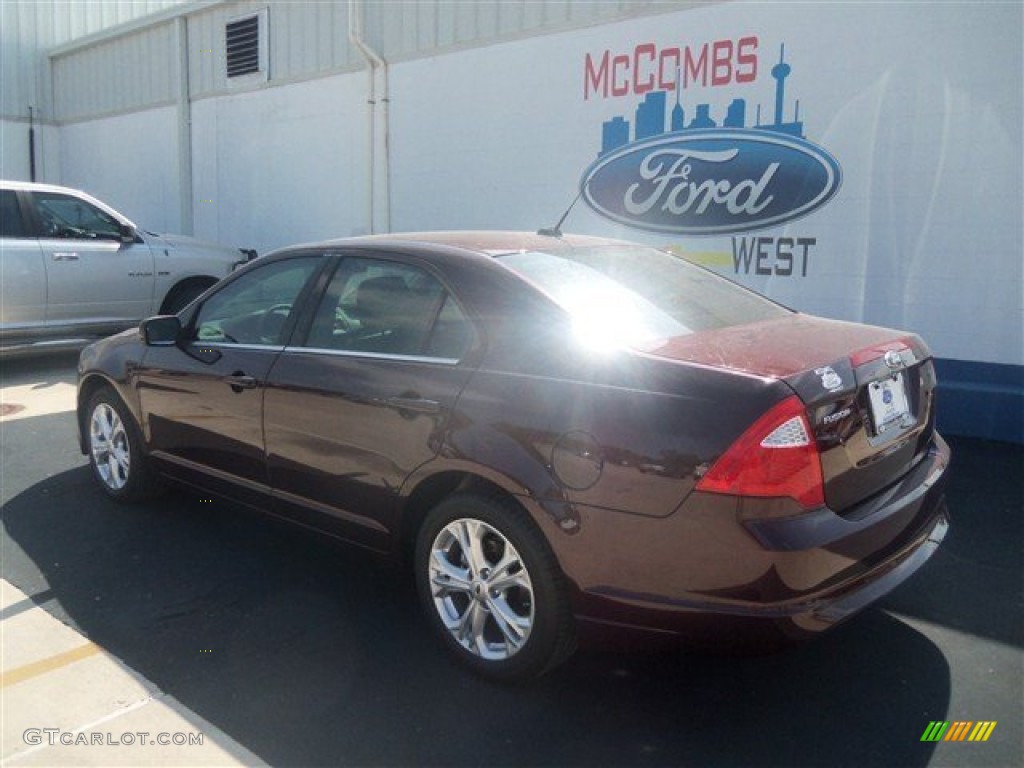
{"points": [[202, 400], [22, 274], [366, 397]]}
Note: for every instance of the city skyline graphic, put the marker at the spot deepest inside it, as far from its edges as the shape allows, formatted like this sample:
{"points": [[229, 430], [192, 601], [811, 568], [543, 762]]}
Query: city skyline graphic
{"points": [[650, 115]]}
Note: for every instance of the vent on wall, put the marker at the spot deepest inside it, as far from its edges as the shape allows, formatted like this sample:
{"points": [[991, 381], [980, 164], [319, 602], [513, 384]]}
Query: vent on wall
{"points": [[243, 46]]}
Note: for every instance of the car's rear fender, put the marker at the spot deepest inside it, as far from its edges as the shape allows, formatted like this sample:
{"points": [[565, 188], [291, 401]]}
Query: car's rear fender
{"points": [[630, 434]]}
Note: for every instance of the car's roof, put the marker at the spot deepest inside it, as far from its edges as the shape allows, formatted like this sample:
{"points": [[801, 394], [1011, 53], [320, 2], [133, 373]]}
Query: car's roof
{"points": [[486, 242], [10, 184]]}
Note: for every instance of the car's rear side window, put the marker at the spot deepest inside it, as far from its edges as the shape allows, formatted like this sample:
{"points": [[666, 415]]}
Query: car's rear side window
{"points": [[635, 295], [389, 308], [11, 222]]}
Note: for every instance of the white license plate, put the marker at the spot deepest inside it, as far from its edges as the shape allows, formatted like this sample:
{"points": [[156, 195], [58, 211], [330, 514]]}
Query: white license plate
{"points": [[889, 407]]}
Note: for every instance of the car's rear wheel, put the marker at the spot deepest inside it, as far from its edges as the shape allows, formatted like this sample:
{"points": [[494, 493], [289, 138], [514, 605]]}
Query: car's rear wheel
{"points": [[492, 589], [115, 449]]}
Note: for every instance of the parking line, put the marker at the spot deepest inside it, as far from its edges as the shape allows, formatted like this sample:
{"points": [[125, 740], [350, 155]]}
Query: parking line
{"points": [[41, 667]]}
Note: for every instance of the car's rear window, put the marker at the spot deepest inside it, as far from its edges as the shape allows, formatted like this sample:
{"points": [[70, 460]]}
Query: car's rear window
{"points": [[634, 295]]}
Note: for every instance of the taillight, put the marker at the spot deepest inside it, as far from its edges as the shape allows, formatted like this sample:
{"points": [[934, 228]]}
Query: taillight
{"points": [[776, 457]]}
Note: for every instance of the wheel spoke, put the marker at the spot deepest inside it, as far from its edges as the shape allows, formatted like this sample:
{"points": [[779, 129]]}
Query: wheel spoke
{"points": [[509, 573], [460, 531], [475, 532], [513, 626], [462, 626], [113, 472], [477, 622], [446, 576]]}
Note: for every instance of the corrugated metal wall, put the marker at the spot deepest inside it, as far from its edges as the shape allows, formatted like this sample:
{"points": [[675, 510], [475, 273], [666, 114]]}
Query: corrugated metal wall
{"points": [[132, 72], [415, 28], [29, 28], [307, 38]]}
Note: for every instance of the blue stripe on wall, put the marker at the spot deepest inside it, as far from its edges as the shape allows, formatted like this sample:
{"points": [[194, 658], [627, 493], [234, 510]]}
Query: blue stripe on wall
{"points": [[981, 399]]}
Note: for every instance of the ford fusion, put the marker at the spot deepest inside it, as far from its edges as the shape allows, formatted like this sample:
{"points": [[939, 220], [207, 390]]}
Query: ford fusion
{"points": [[555, 434]]}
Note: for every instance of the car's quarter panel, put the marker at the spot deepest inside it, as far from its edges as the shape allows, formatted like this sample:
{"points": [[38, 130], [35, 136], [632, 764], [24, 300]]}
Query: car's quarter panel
{"points": [[344, 431], [619, 432]]}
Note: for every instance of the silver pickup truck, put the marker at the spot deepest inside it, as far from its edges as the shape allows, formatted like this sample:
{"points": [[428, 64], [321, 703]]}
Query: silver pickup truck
{"points": [[73, 268]]}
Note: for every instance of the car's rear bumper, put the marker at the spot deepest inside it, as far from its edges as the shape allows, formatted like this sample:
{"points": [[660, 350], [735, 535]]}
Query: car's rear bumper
{"points": [[716, 569]]}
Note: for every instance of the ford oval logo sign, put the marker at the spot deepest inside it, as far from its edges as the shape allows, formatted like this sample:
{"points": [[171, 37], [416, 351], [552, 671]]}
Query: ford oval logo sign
{"points": [[711, 182]]}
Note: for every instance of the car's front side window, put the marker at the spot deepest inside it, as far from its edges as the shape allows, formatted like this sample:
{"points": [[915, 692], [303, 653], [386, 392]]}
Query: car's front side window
{"points": [[256, 307], [65, 216], [382, 307]]}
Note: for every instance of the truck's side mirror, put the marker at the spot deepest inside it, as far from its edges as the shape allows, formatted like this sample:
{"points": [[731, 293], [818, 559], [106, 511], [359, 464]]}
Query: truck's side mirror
{"points": [[128, 233]]}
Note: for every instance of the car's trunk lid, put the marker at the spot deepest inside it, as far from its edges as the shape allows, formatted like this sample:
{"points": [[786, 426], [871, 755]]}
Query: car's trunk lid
{"points": [[868, 391]]}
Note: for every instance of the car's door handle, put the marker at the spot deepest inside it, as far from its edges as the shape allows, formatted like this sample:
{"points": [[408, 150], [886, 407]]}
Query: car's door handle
{"points": [[414, 404], [239, 381], [65, 256]]}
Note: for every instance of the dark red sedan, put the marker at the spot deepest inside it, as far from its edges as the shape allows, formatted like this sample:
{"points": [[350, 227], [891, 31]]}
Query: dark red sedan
{"points": [[555, 432]]}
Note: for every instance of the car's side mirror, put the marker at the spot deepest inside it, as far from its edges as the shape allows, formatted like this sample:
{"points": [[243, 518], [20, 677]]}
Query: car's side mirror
{"points": [[128, 233], [161, 331]]}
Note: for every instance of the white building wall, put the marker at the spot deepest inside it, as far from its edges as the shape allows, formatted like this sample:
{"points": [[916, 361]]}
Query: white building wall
{"points": [[129, 161], [925, 232], [30, 28], [281, 165]]}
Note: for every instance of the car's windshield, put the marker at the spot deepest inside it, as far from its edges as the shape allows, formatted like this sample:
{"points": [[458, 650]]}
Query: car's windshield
{"points": [[633, 296]]}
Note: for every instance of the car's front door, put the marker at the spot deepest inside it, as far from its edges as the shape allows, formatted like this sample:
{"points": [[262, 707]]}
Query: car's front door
{"points": [[366, 397], [93, 278], [202, 400]]}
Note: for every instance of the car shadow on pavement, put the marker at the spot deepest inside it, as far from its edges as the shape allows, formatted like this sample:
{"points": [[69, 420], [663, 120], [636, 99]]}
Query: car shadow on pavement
{"points": [[976, 573], [309, 654]]}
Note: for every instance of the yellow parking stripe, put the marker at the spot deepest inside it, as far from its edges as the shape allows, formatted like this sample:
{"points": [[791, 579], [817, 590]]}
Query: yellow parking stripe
{"points": [[41, 667]]}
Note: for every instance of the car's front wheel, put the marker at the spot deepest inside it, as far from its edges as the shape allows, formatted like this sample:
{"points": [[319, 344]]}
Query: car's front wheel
{"points": [[492, 589], [115, 449]]}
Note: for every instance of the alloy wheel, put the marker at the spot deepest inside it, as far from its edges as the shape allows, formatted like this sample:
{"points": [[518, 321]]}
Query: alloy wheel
{"points": [[481, 589], [111, 451]]}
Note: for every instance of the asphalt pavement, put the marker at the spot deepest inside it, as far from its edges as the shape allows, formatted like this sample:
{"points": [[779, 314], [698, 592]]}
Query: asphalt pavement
{"points": [[286, 648]]}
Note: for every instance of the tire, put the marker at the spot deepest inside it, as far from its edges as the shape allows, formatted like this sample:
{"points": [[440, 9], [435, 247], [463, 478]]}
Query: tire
{"points": [[502, 607], [116, 456]]}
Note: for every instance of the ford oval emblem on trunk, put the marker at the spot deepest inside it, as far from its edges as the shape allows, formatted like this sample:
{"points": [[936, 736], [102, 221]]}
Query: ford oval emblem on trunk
{"points": [[711, 182]]}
